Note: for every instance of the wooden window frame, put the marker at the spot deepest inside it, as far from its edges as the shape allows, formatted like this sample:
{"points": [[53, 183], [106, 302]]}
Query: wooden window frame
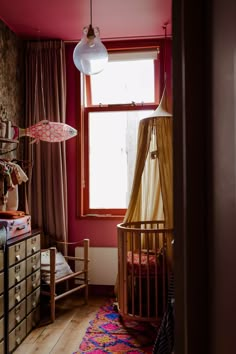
{"points": [[82, 180]]}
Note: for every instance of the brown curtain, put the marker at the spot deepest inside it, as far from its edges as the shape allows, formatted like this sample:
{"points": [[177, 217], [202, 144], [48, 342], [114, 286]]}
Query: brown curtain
{"points": [[46, 99]]}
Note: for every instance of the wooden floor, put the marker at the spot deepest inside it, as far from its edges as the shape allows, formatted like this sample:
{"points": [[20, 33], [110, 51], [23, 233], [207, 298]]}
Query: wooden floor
{"points": [[65, 334]]}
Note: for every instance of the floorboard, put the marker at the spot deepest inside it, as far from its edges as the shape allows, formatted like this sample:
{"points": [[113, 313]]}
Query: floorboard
{"points": [[65, 334]]}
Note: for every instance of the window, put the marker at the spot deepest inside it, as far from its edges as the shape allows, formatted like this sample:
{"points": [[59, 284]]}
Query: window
{"points": [[114, 102]]}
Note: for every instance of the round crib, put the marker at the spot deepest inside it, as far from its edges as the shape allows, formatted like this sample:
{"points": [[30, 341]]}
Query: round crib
{"points": [[142, 275]]}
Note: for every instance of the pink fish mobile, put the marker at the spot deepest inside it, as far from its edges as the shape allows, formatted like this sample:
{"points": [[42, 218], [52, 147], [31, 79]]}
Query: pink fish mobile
{"points": [[45, 130]]}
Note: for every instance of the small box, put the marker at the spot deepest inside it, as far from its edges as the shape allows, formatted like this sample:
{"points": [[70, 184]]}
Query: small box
{"points": [[17, 227]]}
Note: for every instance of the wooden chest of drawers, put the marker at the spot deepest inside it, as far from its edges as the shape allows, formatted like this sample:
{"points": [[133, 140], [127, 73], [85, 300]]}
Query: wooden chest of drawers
{"points": [[2, 342], [22, 289]]}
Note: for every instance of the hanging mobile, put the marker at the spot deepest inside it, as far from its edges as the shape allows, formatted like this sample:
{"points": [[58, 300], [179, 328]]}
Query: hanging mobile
{"points": [[46, 130]]}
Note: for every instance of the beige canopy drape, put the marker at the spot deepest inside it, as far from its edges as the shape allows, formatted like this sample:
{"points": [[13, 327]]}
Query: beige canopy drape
{"points": [[46, 99], [146, 199], [152, 191]]}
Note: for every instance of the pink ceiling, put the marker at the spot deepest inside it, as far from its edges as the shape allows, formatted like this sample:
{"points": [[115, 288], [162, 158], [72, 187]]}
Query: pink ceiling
{"points": [[64, 19]]}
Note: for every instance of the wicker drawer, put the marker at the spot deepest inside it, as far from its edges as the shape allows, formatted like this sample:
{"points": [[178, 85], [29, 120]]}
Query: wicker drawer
{"points": [[17, 294], [33, 245], [33, 282], [16, 273], [1, 328], [16, 253], [1, 260], [17, 336], [1, 305], [1, 283], [16, 315], [32, 301], [32, 319], [33, 263]]}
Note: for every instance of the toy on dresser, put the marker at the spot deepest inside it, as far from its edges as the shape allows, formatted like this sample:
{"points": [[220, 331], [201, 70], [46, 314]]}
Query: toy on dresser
{"points": [[12, 222], [11, 176]]}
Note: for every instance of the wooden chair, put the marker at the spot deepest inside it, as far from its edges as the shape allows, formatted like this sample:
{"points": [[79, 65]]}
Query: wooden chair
{"points": [[75, 270]]}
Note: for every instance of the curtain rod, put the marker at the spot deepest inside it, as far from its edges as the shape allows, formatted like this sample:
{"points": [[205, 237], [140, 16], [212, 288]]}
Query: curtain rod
{"points": [[121, 39]]}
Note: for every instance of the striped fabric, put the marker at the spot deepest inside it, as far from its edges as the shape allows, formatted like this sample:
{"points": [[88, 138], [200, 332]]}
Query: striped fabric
{"points": [[164, 342]]}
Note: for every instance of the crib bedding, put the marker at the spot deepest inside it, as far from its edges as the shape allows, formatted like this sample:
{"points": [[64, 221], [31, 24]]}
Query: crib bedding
{"points": [[145, 283], [143, 263]]}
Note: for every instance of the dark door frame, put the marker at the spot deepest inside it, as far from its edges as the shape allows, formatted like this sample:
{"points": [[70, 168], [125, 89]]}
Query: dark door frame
{"points": [[190, 178]]}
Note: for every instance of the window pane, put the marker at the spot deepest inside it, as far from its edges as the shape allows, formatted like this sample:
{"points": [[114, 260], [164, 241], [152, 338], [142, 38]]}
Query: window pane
{"points": [[124, 82], [112, 153]]}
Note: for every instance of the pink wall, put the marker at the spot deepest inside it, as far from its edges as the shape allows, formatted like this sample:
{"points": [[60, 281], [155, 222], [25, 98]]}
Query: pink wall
{"points": [[101, 232], [169, 74]]}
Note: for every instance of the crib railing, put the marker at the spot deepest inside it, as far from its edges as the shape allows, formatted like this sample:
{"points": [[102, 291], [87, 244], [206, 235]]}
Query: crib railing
{"points": [[142, 270]]}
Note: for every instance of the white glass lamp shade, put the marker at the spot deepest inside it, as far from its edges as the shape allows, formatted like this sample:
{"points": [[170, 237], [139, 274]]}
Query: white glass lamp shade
{"points": [[90, 55]]}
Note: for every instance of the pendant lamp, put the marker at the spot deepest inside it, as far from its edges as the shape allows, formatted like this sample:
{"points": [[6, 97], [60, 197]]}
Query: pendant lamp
{"points": [[90, 55]]}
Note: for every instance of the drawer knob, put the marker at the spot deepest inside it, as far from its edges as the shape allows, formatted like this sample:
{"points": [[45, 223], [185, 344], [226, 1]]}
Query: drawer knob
{"points": [[18, 298], [17, 278], [33, 249], [18, 257], [17, 319], [18, 340]]}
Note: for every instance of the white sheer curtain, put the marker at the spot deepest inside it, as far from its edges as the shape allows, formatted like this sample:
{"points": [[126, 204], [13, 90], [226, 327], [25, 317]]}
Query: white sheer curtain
{"points": [[146, 199]]}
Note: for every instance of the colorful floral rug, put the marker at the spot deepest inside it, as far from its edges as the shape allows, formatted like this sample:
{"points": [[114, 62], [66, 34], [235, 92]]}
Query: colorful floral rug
{"points": [[107, 333]]}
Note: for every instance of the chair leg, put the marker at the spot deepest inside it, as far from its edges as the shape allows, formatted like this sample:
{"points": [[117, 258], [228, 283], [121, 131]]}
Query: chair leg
{"points": [[86, 261], [52, 283], [86, 292], [52, 305]]}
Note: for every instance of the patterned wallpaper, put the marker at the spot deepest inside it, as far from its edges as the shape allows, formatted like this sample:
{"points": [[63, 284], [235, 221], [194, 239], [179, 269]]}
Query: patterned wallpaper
{"points": [[12, 75]]}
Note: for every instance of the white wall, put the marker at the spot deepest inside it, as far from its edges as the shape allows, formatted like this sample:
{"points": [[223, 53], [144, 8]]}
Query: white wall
{"points": [[103, 265]]}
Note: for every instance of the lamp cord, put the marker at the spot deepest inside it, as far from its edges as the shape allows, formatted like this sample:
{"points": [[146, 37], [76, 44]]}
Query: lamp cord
{"points": [[91, 12], [164, 27]]}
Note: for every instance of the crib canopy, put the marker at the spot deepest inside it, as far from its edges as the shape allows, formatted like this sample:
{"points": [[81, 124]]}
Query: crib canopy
{"points": [[152, 190]]}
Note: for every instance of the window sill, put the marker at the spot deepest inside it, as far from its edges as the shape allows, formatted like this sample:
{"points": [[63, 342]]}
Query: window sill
{"points": [[101, 217]]}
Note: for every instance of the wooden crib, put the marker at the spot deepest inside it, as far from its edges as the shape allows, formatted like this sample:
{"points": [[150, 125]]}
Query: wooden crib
{"points": [[142, 270]]}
